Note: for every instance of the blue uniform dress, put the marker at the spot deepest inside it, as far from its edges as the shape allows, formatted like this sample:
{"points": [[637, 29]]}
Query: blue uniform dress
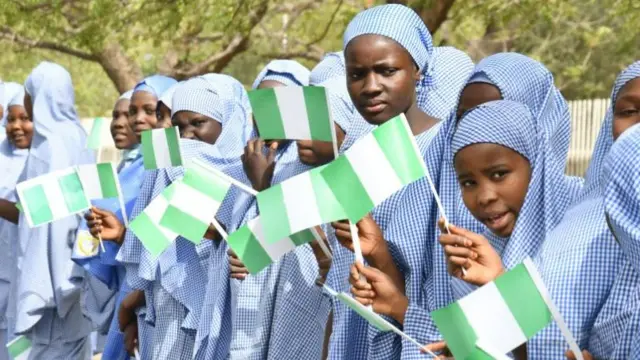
{"points": [[48, 309]]}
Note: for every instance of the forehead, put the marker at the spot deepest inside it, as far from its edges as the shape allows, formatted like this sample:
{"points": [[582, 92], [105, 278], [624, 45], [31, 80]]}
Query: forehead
{"points": [[143, 97], [371, 48], [631, 88]]}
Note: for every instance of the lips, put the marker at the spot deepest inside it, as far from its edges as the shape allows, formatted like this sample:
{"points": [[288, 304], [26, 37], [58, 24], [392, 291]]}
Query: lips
{"points": [[497, 221], [375, 106]]}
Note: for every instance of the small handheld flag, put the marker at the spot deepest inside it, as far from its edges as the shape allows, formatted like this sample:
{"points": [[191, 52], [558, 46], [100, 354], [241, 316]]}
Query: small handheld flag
{"points": [[161, 148]]}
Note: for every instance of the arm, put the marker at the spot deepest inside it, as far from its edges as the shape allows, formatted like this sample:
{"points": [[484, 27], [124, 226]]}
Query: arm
{"points": [[9, 211]]}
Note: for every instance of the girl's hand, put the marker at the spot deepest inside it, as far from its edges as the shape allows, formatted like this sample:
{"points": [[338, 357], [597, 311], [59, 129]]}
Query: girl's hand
{"points": [[238, 270], [258, 166], [439, 347], [127, 313], [379, 291], [324, 262], [372, 243], [468, 250], [131, 337], [105, 224]]}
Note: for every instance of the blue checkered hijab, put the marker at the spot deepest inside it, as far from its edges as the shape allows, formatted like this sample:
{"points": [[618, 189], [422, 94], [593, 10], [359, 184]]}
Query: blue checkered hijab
{"points": [[594, 179], [155, 84], [331, 65], [286, 72]]}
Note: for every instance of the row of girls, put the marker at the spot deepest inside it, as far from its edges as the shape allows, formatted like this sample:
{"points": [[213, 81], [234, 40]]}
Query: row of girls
{"points": [[494, 137]]}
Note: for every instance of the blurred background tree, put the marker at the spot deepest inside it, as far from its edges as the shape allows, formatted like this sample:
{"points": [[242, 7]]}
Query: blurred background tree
{"points": [[108, 45]]}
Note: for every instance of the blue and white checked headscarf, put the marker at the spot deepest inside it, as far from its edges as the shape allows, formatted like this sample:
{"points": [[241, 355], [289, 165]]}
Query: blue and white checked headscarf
{"points": [[59, 141], [331, 65], [580, 260], [155, 84], [287, 72]]}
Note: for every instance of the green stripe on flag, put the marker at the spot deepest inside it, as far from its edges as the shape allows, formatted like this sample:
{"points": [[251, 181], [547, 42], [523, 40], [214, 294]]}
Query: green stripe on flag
{"points": [[315, 99], [107, 180], [456, 330], [345, 184], [393, 139], [148, 156], [93, 141], [273, 211], [302, 237], [267, 114], [74, 196], [149, 234], [524, 300], [329, 208], [35, 201], [19, 346], [173, 143], [184, 224], [249, 250], [211, 185]]}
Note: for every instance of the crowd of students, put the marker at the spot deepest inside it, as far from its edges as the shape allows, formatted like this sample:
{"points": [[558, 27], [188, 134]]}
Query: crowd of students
{"points": [[494, 137]]}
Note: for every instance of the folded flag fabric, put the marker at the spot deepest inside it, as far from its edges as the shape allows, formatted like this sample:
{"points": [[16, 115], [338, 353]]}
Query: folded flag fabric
{"points": [[94, 141], [296, 204], [376, 166], [196, 199], [503, 314], [100, 181], [292, 112], [161, 148], [147, 228], [52, 197], [19, 348], [248, 242]]}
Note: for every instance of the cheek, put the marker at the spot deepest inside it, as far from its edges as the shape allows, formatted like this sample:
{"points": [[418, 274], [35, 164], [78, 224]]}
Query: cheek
{"points": [[621, 125]]}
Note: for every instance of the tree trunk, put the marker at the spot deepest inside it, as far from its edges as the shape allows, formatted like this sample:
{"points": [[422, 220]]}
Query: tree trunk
{"points": [[123, 72], [433, 13]]}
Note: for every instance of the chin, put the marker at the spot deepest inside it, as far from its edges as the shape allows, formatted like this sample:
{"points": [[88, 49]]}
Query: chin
{"points": [[377, 118]]}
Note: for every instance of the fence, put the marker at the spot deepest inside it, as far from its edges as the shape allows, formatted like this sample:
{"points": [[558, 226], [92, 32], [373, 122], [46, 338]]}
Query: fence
{"points": [[586, 119]]}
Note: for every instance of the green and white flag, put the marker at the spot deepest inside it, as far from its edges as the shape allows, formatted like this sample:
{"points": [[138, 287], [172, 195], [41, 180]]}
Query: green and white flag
{"points": [[161, 148], [196, 200], [100, 181], [502, 314], [374, 168], [249, 243], [52, 197], [296, 204], [19, 348], [292, 112], [99, 127], [146, 226]]}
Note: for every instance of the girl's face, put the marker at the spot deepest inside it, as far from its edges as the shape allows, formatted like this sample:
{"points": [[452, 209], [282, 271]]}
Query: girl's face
{"points": [[626, 110], [494, 181], [19, 127], [164, 116], [142, 112], [381, 77], [476, 94], [121, 130], [196, 126], [28, 105], [317, 153]]}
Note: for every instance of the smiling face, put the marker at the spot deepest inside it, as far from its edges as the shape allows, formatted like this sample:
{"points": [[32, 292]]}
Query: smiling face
{"points": [[142, 112], [196, 126], [121, 130], [381, 77], [494, 181], [19, 127], [626, 110]]}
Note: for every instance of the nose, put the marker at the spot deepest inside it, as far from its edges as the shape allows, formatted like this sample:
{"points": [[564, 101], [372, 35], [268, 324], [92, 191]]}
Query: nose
{"points": [[187, 133], [486, 195], [371, 84]]}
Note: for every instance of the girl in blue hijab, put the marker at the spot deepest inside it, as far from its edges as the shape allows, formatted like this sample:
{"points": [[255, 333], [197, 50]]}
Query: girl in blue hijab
{"points": [[13, 153], [48, 309]]}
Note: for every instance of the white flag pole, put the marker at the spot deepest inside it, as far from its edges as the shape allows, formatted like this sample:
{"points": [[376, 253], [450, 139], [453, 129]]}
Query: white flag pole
{"points": [[320, 241], [218, 227]]}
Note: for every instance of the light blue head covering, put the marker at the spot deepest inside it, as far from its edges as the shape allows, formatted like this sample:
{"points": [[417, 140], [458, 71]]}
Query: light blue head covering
{"points": [[126, 95], [155, 84], [331, 65], [287, 72], [167, 96], [9, 92], [59, 141]]}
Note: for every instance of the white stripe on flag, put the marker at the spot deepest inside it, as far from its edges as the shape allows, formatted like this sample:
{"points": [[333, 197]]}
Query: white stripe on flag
{"points": [[155, 210], [301, 204], [274, 250], [194, 203], [374, 171], [90, 181], [55, 196], [160, 149], [491, 318], [292, 107]]}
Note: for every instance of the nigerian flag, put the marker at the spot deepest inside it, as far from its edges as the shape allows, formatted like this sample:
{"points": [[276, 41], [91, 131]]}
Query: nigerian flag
{"points": [[52, 197], [94, 140], [100, 181], [503, 314], [296, 204], [19, 348], [376, 166], [161, 148], [248, 242], [292, 112], [147, 228], [196, 199]]}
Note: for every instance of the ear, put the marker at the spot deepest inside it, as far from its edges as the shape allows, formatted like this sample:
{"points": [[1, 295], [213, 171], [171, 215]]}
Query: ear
{"points": [[417, 74]]}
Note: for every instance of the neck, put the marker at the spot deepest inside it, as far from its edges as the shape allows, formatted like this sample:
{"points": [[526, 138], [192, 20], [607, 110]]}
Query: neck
{"points": [[418, 120]]}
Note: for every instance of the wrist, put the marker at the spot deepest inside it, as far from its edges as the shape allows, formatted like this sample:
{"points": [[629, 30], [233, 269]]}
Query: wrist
{"points": [[379, 256], [399, 308]]}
